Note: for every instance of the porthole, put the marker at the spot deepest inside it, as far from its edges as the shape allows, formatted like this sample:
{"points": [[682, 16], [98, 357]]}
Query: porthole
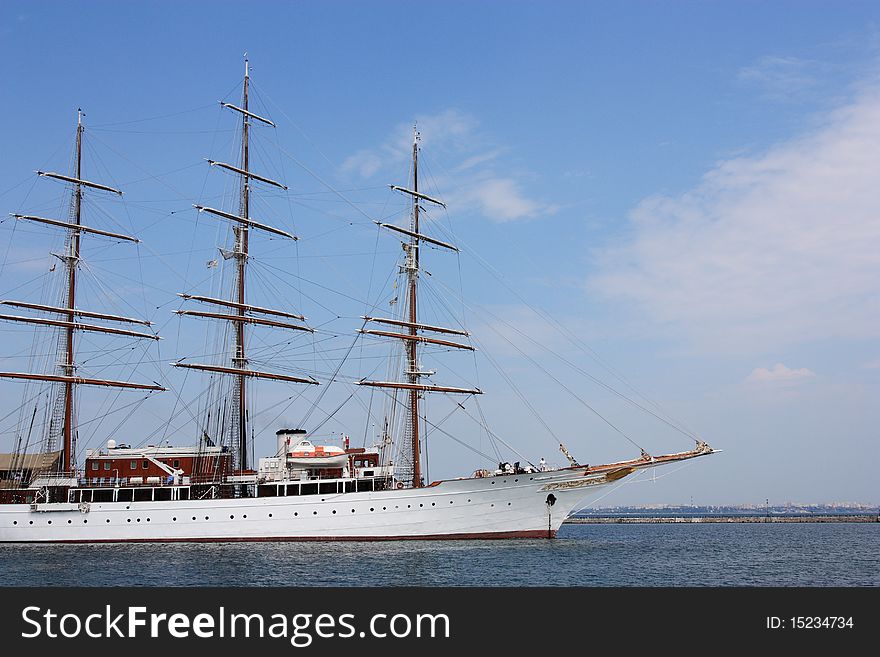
{"points": [[85, 522], [30, 522], [138, 519], [372, 509], [314, 513], [508, 504], [493, 483], [433, 504], [491, 505], [515, 480], [174, 519], [70, 522], [128, 520], [231, 517], [295, 514], [194, 517], [49, 522], [15, 522], [469, 499], [148, 520], [408, 506], [334, 512], [108, 520], [206, 517], [421, 505], [270, 515], [244, 516], [450, 501], [384, 507], [352, 510]]}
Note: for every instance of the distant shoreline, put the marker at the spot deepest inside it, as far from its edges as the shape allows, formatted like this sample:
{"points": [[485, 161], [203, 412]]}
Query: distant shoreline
{"points": [[599, 520]]}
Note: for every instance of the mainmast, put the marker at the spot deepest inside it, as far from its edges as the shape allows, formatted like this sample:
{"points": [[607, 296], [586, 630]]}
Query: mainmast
{"points": [[72, 261], [241, 254], [412, 271], [411, 337], [67, 354], [241, 312]]}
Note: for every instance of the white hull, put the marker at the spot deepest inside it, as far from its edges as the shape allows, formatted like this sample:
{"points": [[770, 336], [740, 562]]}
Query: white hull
{"points": [[492, 507]]}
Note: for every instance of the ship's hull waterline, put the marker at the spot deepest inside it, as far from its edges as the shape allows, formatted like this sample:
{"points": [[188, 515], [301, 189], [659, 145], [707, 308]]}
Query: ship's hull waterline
{"points": [[530, 505]]}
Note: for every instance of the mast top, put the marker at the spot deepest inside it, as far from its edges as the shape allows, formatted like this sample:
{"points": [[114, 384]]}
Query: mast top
{"points": [[79, 117], [246, 66]]}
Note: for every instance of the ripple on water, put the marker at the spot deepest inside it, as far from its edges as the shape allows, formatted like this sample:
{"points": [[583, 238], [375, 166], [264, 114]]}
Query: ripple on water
{"points": [[783, 554]]}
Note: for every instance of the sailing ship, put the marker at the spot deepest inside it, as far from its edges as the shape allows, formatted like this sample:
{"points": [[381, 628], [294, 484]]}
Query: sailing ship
{"points": [[212, 491]]}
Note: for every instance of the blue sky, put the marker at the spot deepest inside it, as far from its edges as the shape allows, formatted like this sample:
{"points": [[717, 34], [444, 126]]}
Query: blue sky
{"points": [[689, 188]]}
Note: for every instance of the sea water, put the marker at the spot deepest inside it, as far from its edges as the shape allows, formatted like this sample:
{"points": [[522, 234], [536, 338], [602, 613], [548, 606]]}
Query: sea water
{"points": [[689, 554]]}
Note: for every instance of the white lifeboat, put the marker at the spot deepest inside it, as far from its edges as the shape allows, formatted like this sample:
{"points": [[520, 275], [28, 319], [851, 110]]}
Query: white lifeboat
{"points": [[306, 455]]}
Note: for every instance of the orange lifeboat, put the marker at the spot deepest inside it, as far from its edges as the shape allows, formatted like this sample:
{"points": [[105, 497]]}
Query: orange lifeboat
{"points": [[306, 455]]}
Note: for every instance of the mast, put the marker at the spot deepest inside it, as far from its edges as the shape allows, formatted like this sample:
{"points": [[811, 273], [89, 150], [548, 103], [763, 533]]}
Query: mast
{"points": [[66, 361], [240, 311], [72, 262], [411, 336], [412, 345], [241, 254]]}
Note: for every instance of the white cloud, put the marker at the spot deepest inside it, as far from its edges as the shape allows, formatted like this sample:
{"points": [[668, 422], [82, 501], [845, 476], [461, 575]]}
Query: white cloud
{"points": [[500, 199], [780, 78], [779, 374], [365, 163], [473, 174], [775, 249]]}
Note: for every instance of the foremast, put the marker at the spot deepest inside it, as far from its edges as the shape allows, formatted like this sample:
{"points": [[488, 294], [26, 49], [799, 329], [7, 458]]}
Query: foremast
{"points": [[241, 312], [412, 337], [66, 360]]}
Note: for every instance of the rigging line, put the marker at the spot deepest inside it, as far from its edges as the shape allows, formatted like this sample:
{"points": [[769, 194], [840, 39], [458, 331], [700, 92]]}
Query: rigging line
{"points": [[160, 132], [326, 184], [637, 478], [485, 426], [150, 175], [19, 184], [118, 409], [152, 118], [592, 378], [667, 418], [494, 435], [23, 404], [128, 183], [338, 408], [330, 382], [366, 310], [519, 394], [655, 477], [289, 400], [369, 413], [443, 431], [108, 292], [293, 123], [567, 389], [201, 198], [311, 282], [576, 368], [577, 343]]}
